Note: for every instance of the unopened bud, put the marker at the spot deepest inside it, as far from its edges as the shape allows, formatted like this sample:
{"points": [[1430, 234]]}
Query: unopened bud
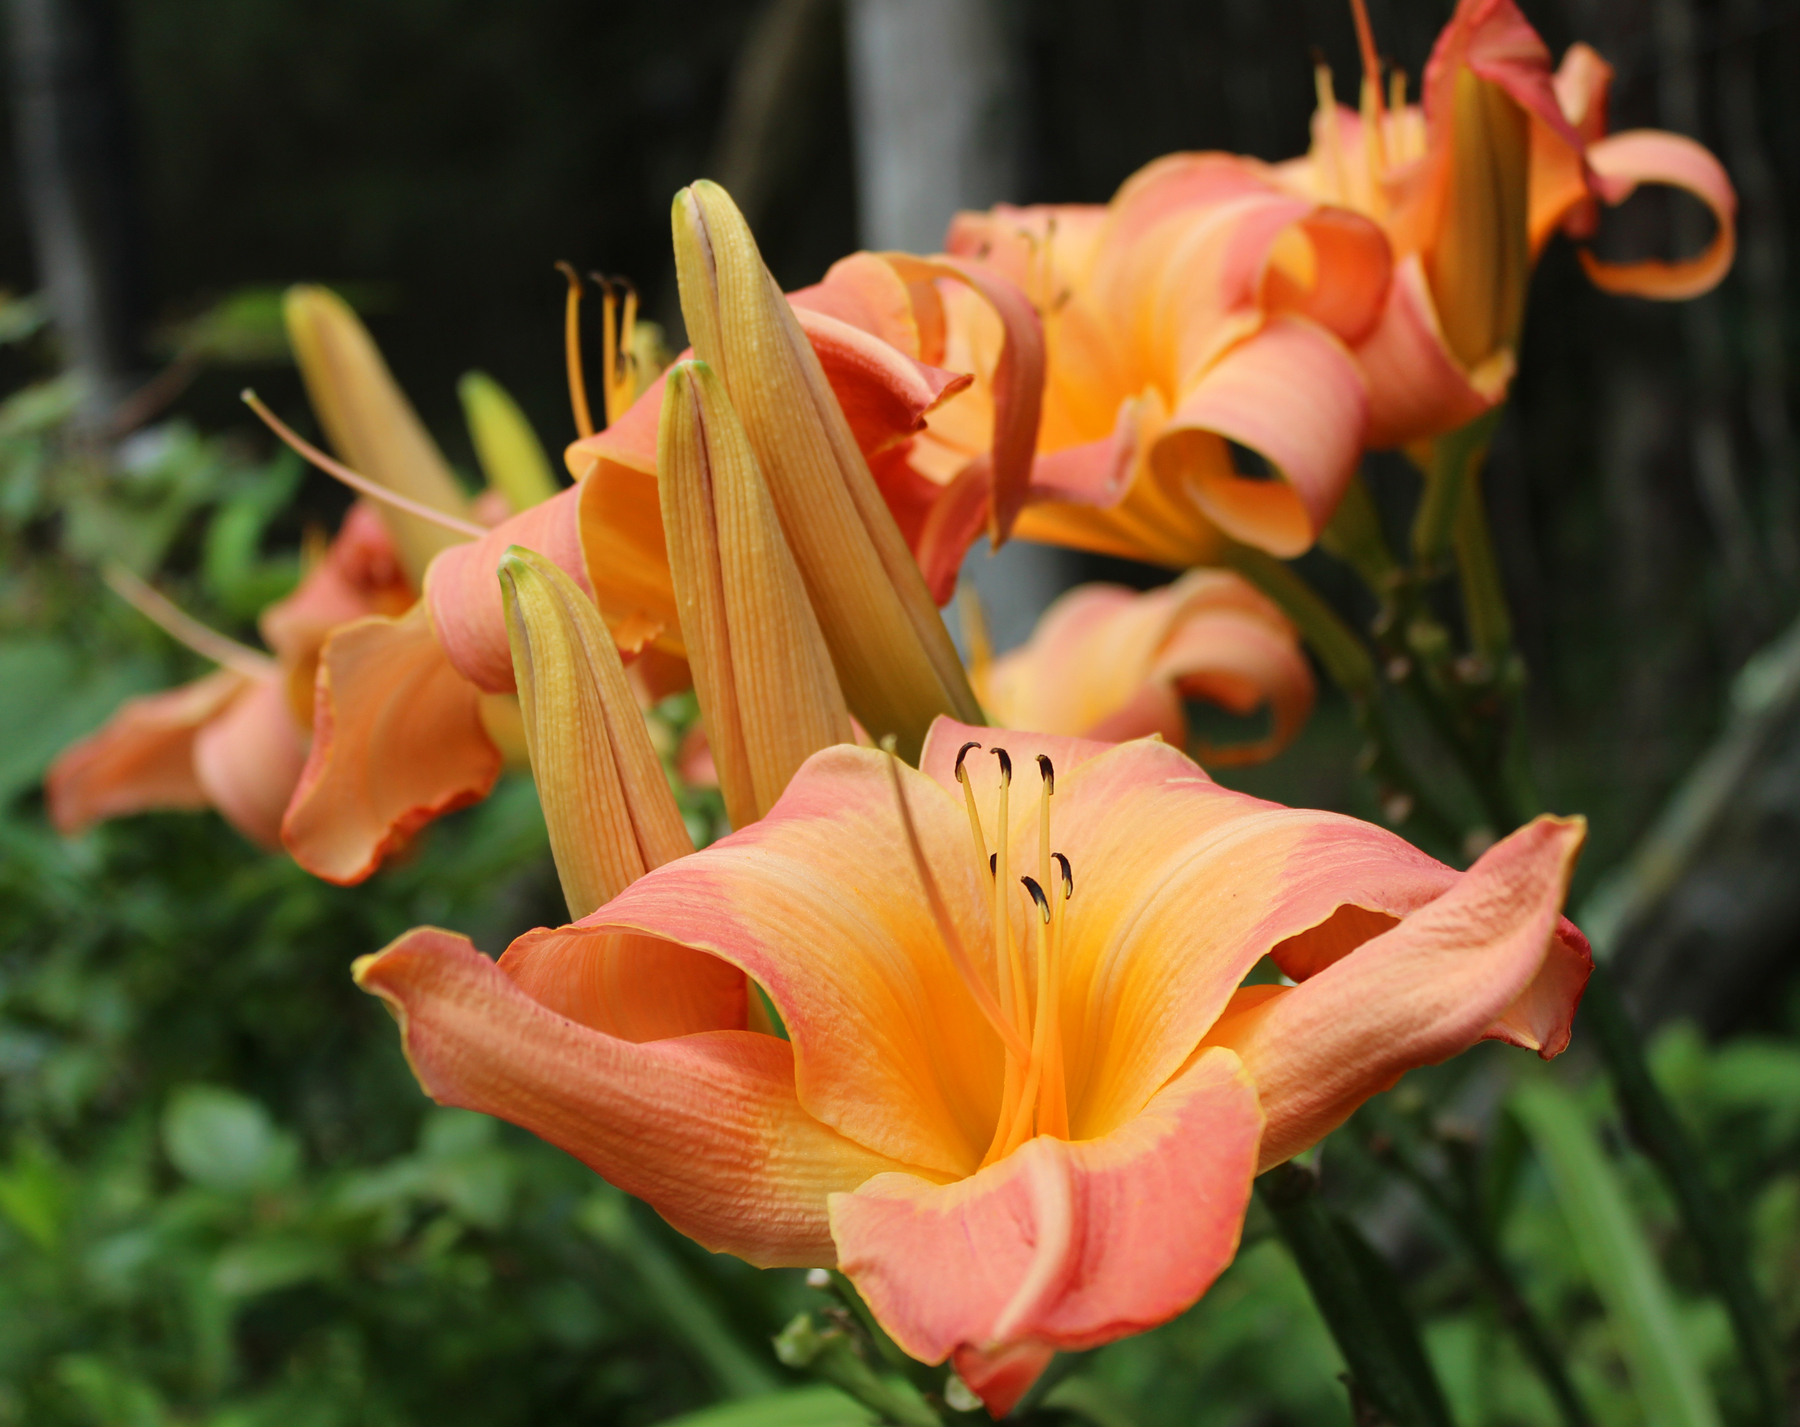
{"points": [[511, 456], [762, 672], [606, 799], [369, 422], [893, 655]]}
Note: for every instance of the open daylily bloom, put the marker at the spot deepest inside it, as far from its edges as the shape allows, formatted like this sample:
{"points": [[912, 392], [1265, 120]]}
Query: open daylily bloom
{"points": [[1109, 663], [234, 739], [1201, 309], [1023, 1113], [1470, 185]]}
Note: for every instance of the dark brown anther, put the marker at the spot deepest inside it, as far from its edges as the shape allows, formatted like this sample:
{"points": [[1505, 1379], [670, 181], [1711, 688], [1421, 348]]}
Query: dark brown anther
{"points": [[1005, 765], [1047, 771], [993, 863], [961, 754], [1067, 872], [1037, 895]]}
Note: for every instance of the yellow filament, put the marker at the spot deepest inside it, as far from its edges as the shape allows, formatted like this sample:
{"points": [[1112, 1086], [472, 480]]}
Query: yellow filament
{"points": [[959, 955], [374, 490], [1007, 970], [1053, 1100], [1334, 159], [1025, 1112], [618, 351], [578, 400], [1397, 91], [1371, 62], [981, 852]]}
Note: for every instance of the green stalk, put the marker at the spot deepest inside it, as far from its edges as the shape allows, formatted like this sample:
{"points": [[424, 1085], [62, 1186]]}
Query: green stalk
{"points": [[1359, 1301], [1447, 471]]}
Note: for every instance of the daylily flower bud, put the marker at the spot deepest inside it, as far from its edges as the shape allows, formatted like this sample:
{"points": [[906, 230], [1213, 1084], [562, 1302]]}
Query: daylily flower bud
{"points": [[606, 800], [512, 458], [761, 667], [1481, 263], [369, 421], [892, 652]]}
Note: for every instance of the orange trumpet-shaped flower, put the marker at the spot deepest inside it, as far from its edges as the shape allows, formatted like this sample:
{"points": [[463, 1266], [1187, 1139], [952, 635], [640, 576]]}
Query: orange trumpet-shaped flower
{"points": [[235, 739], [1025, 1092], [1470, 185], [1109, 663], [1202, 309]]}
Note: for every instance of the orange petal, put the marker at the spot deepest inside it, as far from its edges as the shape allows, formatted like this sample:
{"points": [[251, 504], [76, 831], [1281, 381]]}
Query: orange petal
{"points": [[891, 1048], [884, 392], [1295, 397], [705, 1128], [1060, 1245], [360, 575], [463, 592], [1621, 162], [1018, 378], [140, 759], [1109, 663], [248, 760], [1489, 958], [1417, 388], [397, 741]]}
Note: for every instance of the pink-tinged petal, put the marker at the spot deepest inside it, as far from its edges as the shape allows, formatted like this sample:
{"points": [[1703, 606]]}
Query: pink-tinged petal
{"points": [[140, 759], [1112, 664], [1178, 183], [884, 392], [953, 523], [1416, 387], [397, 741], [820, 904], [1015, 241], [462, 588], [248, 760], [1343, 278], [1017, 381], [1495, 40], [1294, 396], [1060, 1245], [634, 987], [1481, 960], [1001, 1376], [1561, 182], [865, 291], [1624, 161], [704, 1128], [1096, 473]]}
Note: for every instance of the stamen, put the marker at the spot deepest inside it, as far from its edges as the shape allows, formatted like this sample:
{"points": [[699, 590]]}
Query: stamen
{"points": [[1397, 90], [183, 628], [1365, 41], [1026, 1113], [1014, 998], [618, 357], [1327, 100], [959, 956], [578, 399], [992, 858], [962, 776], [1068, 874], [1005, 768], [357, 482], [1047, 771]]}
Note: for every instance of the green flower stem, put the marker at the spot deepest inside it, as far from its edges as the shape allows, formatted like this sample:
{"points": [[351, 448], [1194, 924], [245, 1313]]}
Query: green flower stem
{"points": [[1478, 570], [1359, 1301], [1447, 471], [1349, 665], [829, 1354]]}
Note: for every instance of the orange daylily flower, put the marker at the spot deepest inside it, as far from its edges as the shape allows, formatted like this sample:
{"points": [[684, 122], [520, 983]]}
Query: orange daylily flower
{"points": [[234, 739], [1021, 1113], [1109, 663], [1201, 308], [1470, 185]]}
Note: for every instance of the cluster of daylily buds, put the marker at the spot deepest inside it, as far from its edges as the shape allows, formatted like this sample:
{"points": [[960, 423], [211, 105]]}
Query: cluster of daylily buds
{"points": [[1022, 1090]]}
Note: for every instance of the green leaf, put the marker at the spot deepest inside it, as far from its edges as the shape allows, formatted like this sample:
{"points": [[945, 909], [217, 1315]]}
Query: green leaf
{"points": [[816, 1406], [222, 1140], [1668, 1381], [33, 1195], [263, 1265], [47, 702]]}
